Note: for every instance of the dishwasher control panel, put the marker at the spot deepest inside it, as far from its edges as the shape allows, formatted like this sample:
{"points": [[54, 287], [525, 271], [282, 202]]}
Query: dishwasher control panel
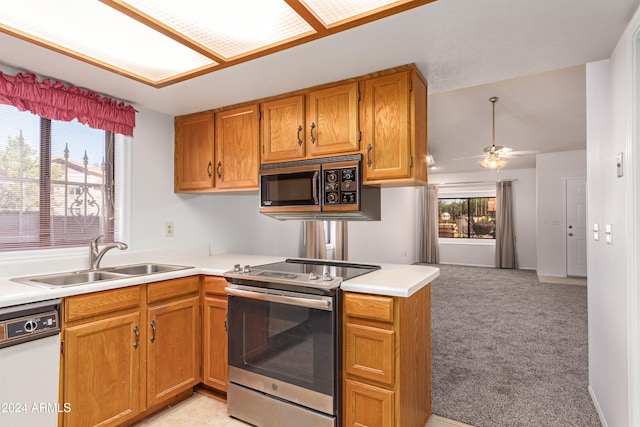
{"points": [[26, 323]]}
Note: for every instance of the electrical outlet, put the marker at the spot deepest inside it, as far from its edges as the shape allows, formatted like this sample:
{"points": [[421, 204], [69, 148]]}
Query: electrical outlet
{"points": [[168, 229]]}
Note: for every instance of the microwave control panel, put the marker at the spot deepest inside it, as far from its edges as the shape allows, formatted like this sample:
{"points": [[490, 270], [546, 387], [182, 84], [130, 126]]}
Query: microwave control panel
{"points": [[340, 186]]}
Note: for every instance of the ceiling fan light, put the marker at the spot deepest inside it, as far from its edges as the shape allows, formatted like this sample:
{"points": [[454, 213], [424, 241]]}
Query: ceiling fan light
{"points": [[493, 162]]}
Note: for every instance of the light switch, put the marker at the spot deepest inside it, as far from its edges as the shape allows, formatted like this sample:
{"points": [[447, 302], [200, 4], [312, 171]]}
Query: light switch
{"points": [[607, 234], [596, 235]]}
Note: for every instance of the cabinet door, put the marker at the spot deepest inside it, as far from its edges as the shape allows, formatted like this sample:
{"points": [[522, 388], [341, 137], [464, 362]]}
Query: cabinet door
{"points": [[283, 130], [386, 124], [215, 342], [332, 120], [237, 160], [102, 371], [193, 168], [367, 405], [173, 356]]}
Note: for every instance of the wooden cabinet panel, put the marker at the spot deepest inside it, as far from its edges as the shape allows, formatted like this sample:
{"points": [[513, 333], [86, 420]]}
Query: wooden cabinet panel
{"points": [[193, 154], [332, 120], [369, 307], [237, 159], [88, 305], [283, 133], [215, 342], [214, 333], [101, 371], [173, 356], [159, 291], [369, 353], [386, 125], [366, 405]]}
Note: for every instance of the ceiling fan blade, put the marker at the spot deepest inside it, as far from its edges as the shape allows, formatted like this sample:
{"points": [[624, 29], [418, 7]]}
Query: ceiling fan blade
{"points": [[471, 157]]}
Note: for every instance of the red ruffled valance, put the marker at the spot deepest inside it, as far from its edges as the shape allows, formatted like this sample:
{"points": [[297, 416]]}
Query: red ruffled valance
{"points": [[56, 101]]}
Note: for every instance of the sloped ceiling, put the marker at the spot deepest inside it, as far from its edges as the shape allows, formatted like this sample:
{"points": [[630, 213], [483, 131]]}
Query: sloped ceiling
{"points": [[531, 54]]}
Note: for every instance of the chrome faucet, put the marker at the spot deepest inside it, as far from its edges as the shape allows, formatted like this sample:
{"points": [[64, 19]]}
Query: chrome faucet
{"points": [[95, 256]]}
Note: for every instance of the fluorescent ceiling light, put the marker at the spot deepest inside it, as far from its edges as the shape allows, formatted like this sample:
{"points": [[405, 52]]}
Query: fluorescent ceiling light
{"points": [[160, 42]]}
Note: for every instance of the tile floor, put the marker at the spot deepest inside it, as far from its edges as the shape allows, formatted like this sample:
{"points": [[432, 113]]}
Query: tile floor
{"points": [[203, 411]]}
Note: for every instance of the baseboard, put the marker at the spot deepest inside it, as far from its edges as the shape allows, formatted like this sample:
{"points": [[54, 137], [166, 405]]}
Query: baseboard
{"points": [[594, 399], [582, 281]]}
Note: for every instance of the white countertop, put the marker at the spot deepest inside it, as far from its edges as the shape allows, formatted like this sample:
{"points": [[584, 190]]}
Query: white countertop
{"points": [[392, 279]]}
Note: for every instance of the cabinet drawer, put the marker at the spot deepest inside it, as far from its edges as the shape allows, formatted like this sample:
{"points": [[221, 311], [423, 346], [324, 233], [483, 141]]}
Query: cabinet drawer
{"points": [[82, 306], [215, 285], [159, 291], [372, 307], [366, 405], [369, 353]]}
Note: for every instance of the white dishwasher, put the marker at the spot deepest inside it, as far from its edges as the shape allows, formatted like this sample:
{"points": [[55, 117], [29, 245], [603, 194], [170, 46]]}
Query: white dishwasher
{"points": [[30, 365]]}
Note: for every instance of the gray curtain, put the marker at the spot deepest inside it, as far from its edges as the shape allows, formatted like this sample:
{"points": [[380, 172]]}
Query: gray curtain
{"points": [[342, 249], [315, 242], [429, 251], [505, 235]]}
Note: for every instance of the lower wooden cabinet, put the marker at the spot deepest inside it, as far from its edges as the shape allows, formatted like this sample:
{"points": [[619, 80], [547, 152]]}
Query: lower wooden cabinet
{"points": [[128, 350], [173, 343], [387, 360], [102, 371], [214, 338]]}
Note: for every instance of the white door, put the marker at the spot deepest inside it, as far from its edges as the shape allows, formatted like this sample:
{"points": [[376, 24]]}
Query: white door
{"points": [[576, 232]]}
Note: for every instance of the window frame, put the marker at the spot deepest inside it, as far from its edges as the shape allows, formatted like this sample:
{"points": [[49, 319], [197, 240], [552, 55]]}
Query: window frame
{"points": [[122, 228], [458, 192]]}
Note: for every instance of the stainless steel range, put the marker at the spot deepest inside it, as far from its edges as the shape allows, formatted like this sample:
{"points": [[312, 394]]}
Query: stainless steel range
{"points": [[284, 337]]}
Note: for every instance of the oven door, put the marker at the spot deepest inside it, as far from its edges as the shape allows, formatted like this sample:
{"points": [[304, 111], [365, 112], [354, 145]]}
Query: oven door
{"points": [[283, 344]]}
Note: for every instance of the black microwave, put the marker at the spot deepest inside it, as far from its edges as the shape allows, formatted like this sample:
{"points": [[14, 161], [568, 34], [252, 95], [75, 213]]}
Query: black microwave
{"points": [[329, 188]]}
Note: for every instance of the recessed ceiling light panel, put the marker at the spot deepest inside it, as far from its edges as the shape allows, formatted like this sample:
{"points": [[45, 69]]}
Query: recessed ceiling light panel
{"points": [[95, 32], [227, 28], [334, 11]]}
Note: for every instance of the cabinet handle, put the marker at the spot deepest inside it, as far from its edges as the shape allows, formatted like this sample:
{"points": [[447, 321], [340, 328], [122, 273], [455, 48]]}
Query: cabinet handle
{"points": [[369, 148], [226, 317], [153, 329], [209, 169], [218, 171], [137, 332], [299, 130], [313, 126]]}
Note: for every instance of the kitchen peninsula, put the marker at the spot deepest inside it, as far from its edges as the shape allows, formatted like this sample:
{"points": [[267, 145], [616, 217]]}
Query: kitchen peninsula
{"points": [[386, 314]]}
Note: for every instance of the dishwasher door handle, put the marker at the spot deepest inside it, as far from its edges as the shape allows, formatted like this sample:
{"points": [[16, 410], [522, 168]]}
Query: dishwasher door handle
{"points": [[320, 304]]}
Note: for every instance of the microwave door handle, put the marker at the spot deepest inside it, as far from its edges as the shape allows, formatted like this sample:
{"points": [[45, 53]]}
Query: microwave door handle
{"points": [[301, 302], [314, 188]]}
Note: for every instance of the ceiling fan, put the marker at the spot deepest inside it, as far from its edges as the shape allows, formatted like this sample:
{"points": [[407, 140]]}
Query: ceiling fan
{"points": [[496, 156]]}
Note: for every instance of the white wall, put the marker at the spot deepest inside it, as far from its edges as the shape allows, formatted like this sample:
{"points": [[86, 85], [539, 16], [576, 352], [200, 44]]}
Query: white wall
{"points": [[472, 253], [393, 239], [226, 222], [610, 118], [552, 170]]}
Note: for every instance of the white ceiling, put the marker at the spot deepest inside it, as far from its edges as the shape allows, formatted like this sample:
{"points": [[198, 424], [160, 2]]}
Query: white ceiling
{"points": [[528, 53]]}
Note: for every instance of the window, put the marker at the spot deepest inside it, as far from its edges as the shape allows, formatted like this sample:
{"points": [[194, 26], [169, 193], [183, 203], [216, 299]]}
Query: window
{"points": [[467, 218], [56, 182]]}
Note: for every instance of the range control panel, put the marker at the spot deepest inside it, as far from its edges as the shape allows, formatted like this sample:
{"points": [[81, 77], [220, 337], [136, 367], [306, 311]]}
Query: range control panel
{"points": [[341, 185]]}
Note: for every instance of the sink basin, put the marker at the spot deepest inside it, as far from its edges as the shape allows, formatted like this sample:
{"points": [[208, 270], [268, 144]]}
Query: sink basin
{"points": [[86, 277], [142, 269]]}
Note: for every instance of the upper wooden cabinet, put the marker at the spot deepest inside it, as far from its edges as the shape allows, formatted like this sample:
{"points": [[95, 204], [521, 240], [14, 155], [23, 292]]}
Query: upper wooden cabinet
{"points": [[381, 115], [237, 138], [332, 120], [283, 130], [193, 156], [394, 129], [320, 123]]}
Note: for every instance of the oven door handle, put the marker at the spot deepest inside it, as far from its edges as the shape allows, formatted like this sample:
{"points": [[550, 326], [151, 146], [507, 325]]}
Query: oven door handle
{"points": [[301, 302]]}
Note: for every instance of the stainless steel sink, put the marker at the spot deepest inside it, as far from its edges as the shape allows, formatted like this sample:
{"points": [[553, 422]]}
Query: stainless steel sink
{"points": [[84, 277], [142, 269]]}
